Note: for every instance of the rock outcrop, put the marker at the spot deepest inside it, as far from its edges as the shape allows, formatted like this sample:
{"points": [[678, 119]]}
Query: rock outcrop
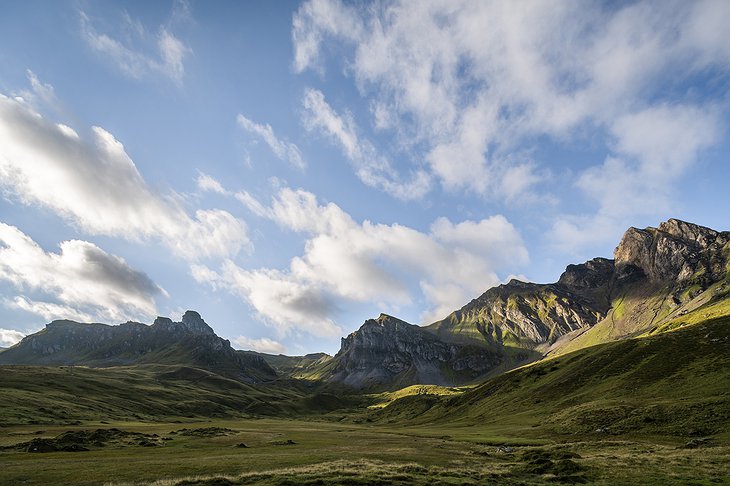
{"points": [[674, 253], [190, 342], [387, 350], [524, 314]]}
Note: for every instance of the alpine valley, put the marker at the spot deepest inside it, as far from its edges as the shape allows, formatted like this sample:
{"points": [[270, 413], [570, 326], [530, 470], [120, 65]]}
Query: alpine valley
{"points": [[617, 373]]}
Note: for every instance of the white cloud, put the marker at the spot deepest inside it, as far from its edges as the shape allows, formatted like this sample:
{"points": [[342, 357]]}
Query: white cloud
{"points": [[465, 84], [50, 311], [251, 203], [279, 298], [332, 20], [166, 59], [385, 265], [208, 183], [665, 139], [83, 279], [284, 150], [372, 169], [96, 186], [9, 337], [40, 93], [262, 345]]}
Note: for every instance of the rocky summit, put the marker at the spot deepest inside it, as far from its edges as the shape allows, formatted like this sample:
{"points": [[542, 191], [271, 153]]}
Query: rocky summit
{"points": [[389, 351], [191, 342]]}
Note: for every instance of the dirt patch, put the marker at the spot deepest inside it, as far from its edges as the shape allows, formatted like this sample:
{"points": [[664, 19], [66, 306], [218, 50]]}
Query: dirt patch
{"points": [[552, 465], [83, 440], [206, 432]]}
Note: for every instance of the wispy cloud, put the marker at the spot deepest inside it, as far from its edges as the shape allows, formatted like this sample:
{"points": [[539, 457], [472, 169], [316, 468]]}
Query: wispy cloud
{"points": [[207, 183], [466, 85], [142, 54], [284, 150], [372, 168]]}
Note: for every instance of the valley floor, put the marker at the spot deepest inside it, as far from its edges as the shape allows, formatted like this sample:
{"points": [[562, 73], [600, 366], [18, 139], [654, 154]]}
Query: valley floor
{"points": [[284, 451]]}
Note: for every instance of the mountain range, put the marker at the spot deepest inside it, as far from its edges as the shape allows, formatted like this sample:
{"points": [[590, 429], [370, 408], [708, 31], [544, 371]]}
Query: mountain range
{"points": [[191, 342], [658, 277]]}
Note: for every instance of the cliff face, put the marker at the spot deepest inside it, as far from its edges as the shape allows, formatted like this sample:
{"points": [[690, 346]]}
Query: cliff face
{"points": [[674, 253], [523, 314], [190, 342], [387, 350], [657, 274]]}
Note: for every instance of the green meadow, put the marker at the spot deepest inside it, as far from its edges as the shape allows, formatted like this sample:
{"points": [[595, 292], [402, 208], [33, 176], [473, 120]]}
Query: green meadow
{"points": [[653, 410]]}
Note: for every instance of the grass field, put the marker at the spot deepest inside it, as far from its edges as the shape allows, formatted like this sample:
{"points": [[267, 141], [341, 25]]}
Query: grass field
{"points": [[323, 452]]}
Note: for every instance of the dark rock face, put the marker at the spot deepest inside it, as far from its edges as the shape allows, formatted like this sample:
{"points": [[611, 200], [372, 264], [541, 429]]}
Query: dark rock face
{"points": [[675, 252], [387, 350], [190, 342], [195, 323], [592, 274]]}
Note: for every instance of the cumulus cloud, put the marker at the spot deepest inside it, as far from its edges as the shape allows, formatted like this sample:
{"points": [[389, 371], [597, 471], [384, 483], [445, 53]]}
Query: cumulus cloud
{"points": [[464, 85], [284, 150], [262, 345], [161, 54], [82, 279], [347, 261], [95, 185], [373, 169], [10, 337]]}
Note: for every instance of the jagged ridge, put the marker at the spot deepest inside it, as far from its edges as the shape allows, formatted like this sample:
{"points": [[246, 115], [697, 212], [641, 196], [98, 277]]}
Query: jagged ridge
{"points": [[191, 342]]}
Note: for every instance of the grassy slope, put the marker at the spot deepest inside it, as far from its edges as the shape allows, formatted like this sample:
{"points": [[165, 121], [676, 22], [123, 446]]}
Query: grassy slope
{"points": [[644, 309], [674, 383], [43, 395]]}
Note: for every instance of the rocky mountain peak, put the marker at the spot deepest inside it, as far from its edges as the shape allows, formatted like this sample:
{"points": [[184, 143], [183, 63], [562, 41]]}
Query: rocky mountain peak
{"points": [[163, 322], [674, 252], [195, 323], [384, 319], [589, 275], [388, 350], [690, 232], [191, 322]]}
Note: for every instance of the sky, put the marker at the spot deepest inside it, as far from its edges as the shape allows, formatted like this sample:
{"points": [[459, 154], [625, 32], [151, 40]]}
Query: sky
{"points": [[291, 169]]}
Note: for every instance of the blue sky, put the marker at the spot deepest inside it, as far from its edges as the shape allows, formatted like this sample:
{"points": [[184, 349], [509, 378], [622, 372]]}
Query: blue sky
{"points": [[290, 169]]}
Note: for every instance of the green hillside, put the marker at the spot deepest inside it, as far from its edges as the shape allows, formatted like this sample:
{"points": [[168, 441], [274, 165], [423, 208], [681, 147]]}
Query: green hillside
{"points": [[675, 383], [69, 395]]}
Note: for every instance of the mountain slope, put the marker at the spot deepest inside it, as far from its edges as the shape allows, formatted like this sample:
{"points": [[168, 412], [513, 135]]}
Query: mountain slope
{"points": [[655, 274], [672, 383], [62, 395], [388, 353], [190, 342]]}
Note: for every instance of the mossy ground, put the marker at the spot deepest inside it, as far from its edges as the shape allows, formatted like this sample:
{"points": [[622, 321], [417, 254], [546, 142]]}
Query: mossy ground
{"points": [[281, 451]]}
